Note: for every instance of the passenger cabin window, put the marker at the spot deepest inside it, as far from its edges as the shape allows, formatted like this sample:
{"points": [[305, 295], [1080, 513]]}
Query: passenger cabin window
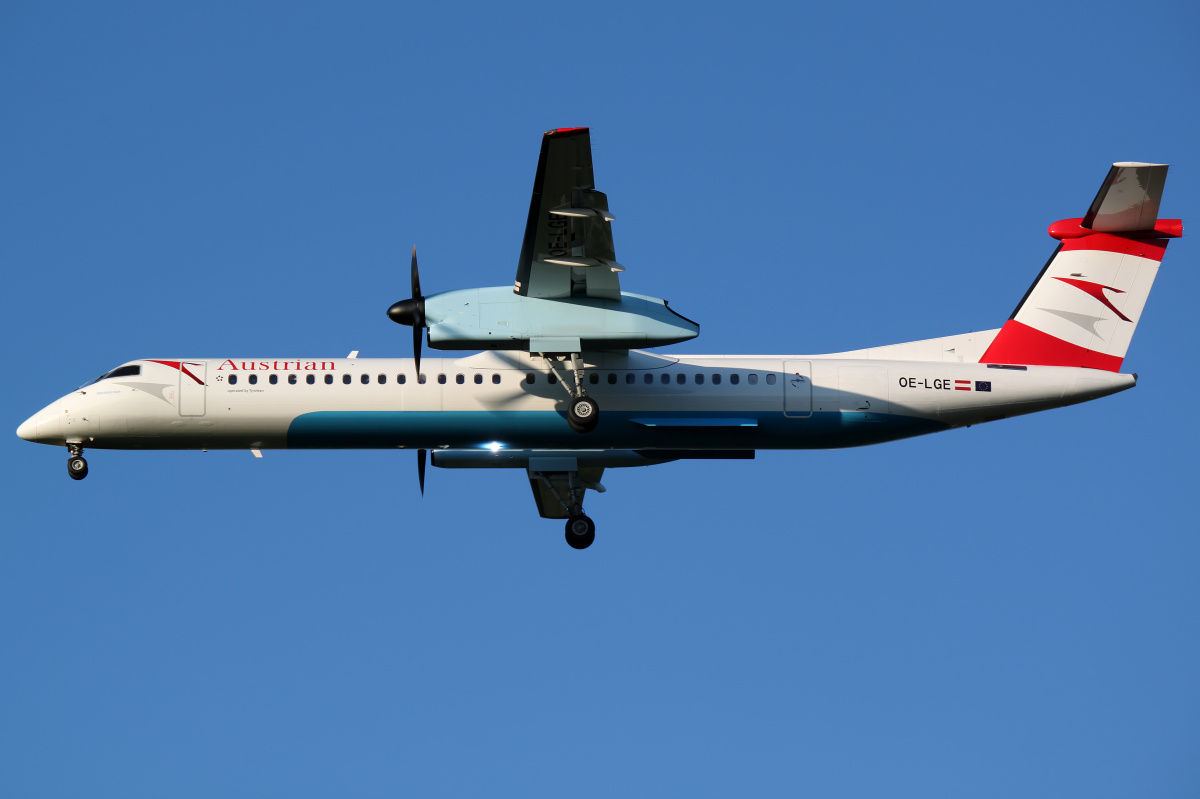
{"points": [[273, 379], [291, 380], [647, 378], [441, 379], [681, 378], [421, 378], [478, 378], [716, 380], [734, 379], [310, 379], [233, 380], [551, 379], [630, 378], [530, 377], [770, 380], [460, 379], [699, 379], [612, 378], [346, 380], [365, 380], [495, 378], [400, 379], [593, 378], [253, 380], [329, 380], [752, 379], [382, 380], [666, 378]]}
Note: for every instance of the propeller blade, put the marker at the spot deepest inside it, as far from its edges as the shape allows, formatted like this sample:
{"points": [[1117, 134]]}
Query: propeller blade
{"points": [[417, 347], [411, 311], [421, 470], [416, 277]]}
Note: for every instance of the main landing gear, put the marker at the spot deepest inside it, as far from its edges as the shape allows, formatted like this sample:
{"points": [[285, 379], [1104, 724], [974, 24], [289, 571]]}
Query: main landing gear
{"points": [[583, 412], [76, 465], [559, 495], [581, 531]]}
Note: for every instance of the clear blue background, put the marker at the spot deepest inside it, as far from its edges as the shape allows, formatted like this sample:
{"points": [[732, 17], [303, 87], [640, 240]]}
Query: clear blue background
{"points": [[1007, 610]]}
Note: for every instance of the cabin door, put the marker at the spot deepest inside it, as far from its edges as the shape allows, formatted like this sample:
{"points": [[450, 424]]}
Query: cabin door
{"points": [[797, 388], [863, 390], [193, 375]]}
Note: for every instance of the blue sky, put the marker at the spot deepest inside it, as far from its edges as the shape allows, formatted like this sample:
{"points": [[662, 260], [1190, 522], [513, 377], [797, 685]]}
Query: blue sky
{"points": [[1006, 610]]}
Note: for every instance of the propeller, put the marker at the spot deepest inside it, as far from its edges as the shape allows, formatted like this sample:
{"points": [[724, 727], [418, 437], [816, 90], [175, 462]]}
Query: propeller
{"points": [[412, 312]]}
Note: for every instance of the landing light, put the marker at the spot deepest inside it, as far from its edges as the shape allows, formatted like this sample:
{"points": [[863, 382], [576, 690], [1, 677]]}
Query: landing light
{"points": [[495, 446]]}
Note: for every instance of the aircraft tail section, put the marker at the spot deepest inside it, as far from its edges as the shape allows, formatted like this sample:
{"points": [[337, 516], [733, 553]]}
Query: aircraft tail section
{"points": [[1084, 306]]}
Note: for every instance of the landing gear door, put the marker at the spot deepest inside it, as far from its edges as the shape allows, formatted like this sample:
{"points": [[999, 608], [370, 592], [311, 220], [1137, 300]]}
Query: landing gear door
{"points": [[193, 375], [797, 388]]}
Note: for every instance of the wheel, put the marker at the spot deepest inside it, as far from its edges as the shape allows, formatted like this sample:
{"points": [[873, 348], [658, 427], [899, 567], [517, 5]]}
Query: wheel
{"points": [[581, 531], [583, 414], [76, 467]]}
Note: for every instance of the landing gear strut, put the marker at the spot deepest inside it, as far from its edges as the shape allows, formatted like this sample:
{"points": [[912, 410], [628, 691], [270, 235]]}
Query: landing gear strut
{"points": [[76, 465], [583, 412], [567, 488]]}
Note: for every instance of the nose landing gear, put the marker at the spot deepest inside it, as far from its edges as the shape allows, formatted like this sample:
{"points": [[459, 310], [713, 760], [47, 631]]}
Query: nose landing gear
{"points": [[76, 466]]}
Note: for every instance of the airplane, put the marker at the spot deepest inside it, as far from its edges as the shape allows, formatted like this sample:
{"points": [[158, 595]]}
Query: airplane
{"points": [[565, 341]]}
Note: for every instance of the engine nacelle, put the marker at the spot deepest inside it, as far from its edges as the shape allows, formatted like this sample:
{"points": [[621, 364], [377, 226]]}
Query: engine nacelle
{"points": [[496, 318]]}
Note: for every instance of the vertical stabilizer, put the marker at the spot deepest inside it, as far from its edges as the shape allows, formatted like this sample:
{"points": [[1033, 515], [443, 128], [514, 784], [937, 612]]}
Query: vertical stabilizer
{"points": [[1084, 306]]}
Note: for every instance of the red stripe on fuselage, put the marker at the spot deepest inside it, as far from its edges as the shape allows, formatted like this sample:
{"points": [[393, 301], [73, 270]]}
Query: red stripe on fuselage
{"points": [[1019, 343]]}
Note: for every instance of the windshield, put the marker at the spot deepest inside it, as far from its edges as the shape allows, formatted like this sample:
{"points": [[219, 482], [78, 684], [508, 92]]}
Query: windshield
{"points": [[131, 370]]}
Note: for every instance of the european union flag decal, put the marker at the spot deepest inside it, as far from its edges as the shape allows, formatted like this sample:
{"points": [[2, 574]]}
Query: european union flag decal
{"points": [[983, 385]]}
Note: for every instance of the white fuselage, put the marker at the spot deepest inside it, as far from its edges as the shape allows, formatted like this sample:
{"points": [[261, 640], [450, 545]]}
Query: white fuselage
{"points": [[649, 401]]}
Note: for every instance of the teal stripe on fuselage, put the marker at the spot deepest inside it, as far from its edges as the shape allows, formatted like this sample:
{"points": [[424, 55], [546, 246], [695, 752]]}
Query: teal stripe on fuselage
{"points": [[616, 430]]}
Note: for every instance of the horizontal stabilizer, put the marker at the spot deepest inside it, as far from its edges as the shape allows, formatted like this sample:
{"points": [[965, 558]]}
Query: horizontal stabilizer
{"points": [[1128, 199]]}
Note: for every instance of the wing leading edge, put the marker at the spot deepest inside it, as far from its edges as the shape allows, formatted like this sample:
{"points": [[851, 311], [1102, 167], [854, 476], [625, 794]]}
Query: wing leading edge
{"points": [[568, 246]]}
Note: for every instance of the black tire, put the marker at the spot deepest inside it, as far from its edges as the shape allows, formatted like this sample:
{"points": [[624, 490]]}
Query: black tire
{"points": [[77, 467], [583, 414], [581, 532]]}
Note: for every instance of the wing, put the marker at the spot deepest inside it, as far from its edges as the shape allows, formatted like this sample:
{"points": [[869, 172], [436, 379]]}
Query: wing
{"points": [[568, 246]]}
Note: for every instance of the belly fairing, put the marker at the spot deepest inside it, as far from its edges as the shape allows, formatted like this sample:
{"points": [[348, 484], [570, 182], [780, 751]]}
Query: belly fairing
{"points": [[617, 430]]}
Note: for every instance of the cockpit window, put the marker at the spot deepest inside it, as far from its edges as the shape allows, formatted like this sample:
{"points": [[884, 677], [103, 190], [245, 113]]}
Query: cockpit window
{"points": [[133, 370]]}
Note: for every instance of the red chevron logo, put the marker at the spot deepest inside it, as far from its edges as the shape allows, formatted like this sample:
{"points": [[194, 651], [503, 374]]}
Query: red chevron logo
{"points": [[1096, 290], [181, 366]]}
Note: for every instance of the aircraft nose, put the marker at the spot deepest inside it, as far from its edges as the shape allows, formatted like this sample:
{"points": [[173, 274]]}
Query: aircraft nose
{"points": [[28, 429]]}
